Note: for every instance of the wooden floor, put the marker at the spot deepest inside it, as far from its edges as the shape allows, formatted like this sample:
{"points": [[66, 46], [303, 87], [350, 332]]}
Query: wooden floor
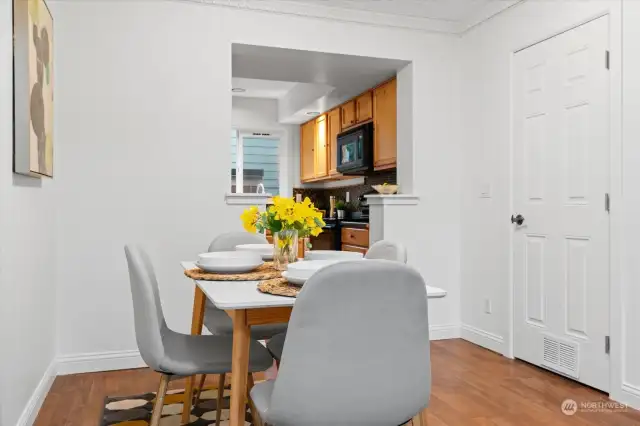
{"points": [[471, 386]]}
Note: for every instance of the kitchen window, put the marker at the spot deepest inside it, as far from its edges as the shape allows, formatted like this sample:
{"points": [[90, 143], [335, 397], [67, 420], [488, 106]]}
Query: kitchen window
{"points": [[255, 161]]}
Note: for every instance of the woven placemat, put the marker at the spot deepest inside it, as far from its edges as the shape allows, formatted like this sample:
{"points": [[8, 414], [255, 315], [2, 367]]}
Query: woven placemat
{"points": [[279, 287], [264, 272]]}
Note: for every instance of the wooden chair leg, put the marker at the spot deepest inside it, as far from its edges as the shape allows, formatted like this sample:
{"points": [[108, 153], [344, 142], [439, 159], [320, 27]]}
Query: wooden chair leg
{"points": [[255, 416], [221, 380], [157, 408], [197, 321], [202, 379]]}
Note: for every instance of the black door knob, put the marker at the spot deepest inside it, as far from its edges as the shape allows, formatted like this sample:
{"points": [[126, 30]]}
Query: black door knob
{"points": [[517, 219]]}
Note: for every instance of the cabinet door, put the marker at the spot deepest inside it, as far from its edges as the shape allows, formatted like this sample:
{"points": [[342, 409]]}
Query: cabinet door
{"points": [[333, 129], [321, 146], [307, 150], [385, 126], [348, 112], [364, 107]]}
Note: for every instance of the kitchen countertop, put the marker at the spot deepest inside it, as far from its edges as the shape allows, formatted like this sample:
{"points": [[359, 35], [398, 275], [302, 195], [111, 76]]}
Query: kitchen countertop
{"points": [[336, 224]]}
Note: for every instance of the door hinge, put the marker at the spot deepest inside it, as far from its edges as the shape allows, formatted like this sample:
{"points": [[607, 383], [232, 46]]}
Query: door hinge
{"points": [[607, 344], [607, 58], [607, 202]]}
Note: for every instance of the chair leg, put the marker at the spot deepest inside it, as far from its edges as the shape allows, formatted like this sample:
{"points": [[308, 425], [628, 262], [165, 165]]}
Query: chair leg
{"points": [[202, 378], [157, 408], [255, 416], [221, 380]]}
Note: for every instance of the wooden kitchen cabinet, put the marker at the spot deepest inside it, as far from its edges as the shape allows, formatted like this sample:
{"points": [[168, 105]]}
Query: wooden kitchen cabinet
{"points": [[355, 239], [348, 113], [385, 118], [307, 150], [357, 249], [333, 129], [321, 166], [364, 107]]}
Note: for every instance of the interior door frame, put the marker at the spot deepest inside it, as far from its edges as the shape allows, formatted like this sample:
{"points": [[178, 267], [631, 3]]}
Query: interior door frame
{"points": [[616, 362]]}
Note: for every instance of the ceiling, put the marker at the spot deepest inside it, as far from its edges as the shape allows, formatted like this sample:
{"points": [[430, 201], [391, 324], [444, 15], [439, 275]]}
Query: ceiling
{"points": [[256, 88], [448, 10], [305, 81], [446, 16]]}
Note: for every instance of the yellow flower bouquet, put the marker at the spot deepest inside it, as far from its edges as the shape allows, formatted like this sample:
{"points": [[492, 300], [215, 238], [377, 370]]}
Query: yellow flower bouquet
{"points": [[287, 221]]}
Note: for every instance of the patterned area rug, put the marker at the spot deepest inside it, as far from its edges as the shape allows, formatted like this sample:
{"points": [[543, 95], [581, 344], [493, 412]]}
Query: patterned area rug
{"points": [[136, 410]]}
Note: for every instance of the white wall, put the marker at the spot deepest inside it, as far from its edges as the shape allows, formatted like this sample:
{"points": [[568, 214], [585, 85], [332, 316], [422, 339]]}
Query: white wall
{"points": [[253, 114], [27, 265], [144, 155], [486, 53]]}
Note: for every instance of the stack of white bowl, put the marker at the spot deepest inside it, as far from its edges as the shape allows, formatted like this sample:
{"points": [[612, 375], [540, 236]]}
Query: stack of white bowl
{"points": [[299, 272], [264, 250], [229, 261]]}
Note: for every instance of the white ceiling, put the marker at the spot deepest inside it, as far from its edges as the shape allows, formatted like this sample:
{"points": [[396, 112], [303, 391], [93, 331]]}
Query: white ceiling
{"points": [[256, 88], [448, 10], [446, 16], [305, 81]]}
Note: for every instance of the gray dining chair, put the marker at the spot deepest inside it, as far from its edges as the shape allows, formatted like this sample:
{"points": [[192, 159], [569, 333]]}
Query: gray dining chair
{"points": [[381, 250], [387, 250], [216, 320], [333, 363], [173, 354]]}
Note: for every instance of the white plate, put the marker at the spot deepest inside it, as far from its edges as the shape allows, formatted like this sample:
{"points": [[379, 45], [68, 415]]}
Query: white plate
{"points": [[332, 255], [228, 269], [229, 261], [264, 250], [303, 270], [293, 280]]}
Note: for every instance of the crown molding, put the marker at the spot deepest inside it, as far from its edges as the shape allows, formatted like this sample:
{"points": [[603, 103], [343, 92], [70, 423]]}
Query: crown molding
{"points": [[490, 10], [341, 14]]}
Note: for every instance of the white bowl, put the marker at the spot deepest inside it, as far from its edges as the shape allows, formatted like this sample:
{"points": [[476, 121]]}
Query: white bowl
{"points": [[229, 261], [386, 189], [264, 250], [303, 270], [332, 255], [292, 279]]}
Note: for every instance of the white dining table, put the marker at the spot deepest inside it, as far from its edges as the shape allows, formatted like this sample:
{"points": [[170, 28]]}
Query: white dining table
{"points": [[246, 306]]}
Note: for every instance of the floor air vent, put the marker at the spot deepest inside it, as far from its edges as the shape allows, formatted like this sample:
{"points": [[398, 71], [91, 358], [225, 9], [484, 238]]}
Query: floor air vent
{"points": [[561, 355]]}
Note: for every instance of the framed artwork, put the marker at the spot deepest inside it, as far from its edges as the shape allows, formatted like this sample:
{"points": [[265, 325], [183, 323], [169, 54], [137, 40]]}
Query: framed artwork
{"points": [[33, 88]]}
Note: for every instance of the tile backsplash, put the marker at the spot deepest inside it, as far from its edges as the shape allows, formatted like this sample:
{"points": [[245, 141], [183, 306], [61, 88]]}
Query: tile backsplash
{"points": [[320, 196]]}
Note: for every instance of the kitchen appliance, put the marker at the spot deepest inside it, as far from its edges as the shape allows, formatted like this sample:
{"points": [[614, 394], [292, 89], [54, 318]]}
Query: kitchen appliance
{"points": [[355, 150]]}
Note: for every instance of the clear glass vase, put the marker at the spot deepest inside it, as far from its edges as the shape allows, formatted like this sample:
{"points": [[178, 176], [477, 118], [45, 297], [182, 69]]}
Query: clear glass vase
{"points": [[285, 248]]}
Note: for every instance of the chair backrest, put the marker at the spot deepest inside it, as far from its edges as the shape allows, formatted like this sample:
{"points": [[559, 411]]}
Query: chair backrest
{"points": [[357, 348], [229, 240], [387, 250], [149, 319]]}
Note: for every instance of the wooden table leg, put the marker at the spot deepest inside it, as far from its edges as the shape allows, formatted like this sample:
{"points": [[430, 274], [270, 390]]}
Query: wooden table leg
{"points": [[420, 419], [197, 320], [239, 367]]}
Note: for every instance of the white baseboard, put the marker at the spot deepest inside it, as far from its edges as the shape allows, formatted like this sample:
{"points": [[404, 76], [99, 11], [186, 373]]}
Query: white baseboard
{"points": [[630, 395], [483, 338], [444, 331], [123, 360], [38, 396], [99, 361]]}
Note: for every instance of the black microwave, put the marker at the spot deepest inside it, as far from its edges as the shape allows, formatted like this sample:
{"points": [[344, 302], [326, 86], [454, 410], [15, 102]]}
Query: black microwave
{"points": [[355, 148]]}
